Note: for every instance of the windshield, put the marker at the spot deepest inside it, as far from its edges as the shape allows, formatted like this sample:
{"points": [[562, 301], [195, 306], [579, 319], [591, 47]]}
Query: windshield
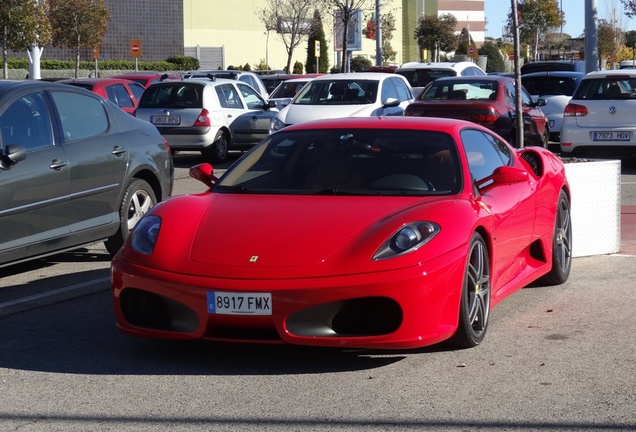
{"points": [[348, 162], [338, 92], [460, 90], [549, 85]]}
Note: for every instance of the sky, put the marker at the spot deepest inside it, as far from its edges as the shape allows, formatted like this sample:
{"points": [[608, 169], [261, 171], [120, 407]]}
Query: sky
{"points": [[574, 11]]}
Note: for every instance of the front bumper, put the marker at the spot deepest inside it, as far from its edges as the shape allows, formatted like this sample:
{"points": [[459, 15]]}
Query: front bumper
{"points": [[405, 308]]}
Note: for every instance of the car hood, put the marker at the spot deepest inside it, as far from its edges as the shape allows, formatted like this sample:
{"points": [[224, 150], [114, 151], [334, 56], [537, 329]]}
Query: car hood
{"points": [[281, 237], [294, 113]]}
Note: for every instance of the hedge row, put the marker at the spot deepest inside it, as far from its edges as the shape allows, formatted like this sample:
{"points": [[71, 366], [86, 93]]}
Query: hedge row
{"points": [[176, 63]]}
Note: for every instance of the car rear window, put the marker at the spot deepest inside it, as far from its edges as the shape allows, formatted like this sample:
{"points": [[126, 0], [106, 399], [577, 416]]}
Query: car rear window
{"points": [[177, 95], [485, 90], [549, 85], [607, 88]]}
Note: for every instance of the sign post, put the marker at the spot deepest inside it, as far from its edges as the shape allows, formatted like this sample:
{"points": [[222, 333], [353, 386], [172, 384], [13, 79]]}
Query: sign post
{"points": [[135, 50], [317, 54]]}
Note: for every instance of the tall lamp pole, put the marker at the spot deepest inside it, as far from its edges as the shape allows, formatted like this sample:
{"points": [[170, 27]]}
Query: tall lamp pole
{"points": [[518, 105], [378, 34]]}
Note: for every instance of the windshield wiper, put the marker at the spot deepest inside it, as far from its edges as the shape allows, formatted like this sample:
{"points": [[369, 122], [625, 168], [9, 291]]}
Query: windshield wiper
{"points": [[234, 188]]}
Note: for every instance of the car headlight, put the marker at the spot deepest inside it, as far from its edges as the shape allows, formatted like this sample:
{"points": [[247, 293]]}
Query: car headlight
{"points": [[408, 238], [144, 236], [276, 125]]}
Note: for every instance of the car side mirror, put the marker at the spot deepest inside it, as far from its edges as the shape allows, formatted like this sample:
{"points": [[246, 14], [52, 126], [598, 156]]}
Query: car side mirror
{"points": [[504, 175], [204, 173], [390, 102], [13, 155]]}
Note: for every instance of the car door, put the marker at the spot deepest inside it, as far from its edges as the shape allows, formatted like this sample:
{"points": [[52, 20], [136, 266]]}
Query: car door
{"points": [[35, 192], [251, 123], [512, 205], [97, 157]]}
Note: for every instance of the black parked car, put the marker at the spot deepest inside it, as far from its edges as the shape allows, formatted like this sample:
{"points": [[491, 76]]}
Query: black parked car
{"points": [[74, 169]]}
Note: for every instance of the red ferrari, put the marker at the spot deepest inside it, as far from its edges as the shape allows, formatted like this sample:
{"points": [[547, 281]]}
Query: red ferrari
{"points": [[384, 232]]}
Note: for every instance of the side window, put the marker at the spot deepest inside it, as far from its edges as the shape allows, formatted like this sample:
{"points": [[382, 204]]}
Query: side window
{"points": [[510, 93], [483, 153], [525, 97], [228, 96], [403, 92], [251, 97], [137, 90], [388, 90], [82, 116], [26, 122], [123, 98]]}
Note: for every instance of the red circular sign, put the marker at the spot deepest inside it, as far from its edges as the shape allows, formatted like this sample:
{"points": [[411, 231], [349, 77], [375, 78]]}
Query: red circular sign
{"points": [[471, 50], [134, 47]]}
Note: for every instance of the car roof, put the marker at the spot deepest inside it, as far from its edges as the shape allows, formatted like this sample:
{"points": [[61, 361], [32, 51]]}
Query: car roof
{"points": [[108, 80], [353, 75], [611, 73], [388, 122], [475, 78], [564, 74], [438, 65]]}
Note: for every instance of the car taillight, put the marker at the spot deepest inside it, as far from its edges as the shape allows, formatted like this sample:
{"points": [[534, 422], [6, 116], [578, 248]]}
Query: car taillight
{"points": [[166, 144], [483, 115], [203, 119], [574, 110]]}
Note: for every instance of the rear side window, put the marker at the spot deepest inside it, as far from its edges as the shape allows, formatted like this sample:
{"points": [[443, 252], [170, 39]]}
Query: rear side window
{"points": [[81, 116], [118, 94], [228, 96], [26, 122], [607, 88]]}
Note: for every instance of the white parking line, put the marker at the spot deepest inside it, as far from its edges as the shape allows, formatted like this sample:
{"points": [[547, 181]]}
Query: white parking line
{"points": [[54, 296]]}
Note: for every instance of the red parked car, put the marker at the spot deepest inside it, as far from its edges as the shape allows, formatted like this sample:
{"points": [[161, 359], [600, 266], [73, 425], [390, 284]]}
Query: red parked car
{"points": [[146, 78], [367, 232], [122, 92], [485, 100]]}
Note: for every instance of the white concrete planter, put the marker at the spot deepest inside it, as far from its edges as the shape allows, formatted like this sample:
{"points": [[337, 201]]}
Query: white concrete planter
{"points": [[595, 186]]}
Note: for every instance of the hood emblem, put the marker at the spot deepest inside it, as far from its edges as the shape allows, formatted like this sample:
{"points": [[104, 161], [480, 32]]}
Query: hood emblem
{"points": [[612, 109], [254, 258]]}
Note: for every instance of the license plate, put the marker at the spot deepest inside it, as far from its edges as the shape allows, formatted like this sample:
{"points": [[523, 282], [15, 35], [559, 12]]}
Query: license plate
{"points": [[232, 303], [165, 120], [612, 136]]}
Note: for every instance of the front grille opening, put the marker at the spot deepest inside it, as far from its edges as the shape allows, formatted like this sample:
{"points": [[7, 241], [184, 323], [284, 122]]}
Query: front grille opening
{"points": [[368, 316], [144, 309]]}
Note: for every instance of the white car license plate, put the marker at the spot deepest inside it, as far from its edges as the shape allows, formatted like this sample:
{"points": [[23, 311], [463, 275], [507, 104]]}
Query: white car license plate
{"points": [[612, 136], [233, 303], [165, 120]]}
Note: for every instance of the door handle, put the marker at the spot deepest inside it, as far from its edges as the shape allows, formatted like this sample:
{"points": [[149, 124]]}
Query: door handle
{"points": [[57, 164], [117, 151]]}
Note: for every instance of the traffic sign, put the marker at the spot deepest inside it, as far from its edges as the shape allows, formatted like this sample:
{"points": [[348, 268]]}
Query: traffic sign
{"points": [[135, 48], [472, 51]]}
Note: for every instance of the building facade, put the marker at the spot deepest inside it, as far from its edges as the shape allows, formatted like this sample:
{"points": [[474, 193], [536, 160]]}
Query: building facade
{"points": [[223, 33]]}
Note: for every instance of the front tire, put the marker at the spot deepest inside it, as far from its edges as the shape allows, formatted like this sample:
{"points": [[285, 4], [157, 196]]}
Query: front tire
{"points": [[474, 306], [561, 244], [138, 199]]}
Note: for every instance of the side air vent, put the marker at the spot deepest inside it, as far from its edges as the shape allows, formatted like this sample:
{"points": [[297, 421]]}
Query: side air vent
{"points": [[534, 161]]}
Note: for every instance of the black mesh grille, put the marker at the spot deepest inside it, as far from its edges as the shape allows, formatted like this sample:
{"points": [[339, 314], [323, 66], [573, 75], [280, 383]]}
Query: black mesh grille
{"points": [[534, 160]]}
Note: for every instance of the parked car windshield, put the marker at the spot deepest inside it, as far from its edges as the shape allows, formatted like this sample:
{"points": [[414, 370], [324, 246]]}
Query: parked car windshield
{"points": [[621, 87], [348, 162], [338, 92], [460, 90]]}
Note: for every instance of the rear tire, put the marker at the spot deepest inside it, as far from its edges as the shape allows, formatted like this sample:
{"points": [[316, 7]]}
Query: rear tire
{"points": [[217, 152], [561, 244], [474, 306], [138, 199]]}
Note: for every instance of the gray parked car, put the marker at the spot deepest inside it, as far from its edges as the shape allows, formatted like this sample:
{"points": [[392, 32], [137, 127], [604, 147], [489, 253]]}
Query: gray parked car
{"points": [[74, 169]]}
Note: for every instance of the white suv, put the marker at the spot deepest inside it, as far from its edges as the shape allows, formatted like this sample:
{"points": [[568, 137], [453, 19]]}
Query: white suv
{"points": [[600, 115], [207, 115], [419, 74]]}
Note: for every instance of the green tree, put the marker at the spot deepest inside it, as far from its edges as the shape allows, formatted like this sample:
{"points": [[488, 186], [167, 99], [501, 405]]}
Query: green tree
{"points": [[360, 63], [387, 21], [78, 24], [317, 34], [536, 18], [22, 23], [436, 34], [495, 57], [606, 39]]}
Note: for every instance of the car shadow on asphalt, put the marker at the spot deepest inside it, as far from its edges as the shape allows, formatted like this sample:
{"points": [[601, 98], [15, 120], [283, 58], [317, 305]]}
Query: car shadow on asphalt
{"points": [[79, 336]]}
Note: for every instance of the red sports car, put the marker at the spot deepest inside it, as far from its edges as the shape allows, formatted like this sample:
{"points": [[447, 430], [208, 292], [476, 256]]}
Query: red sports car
{"points": [[485, 100], [382, 232]]}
